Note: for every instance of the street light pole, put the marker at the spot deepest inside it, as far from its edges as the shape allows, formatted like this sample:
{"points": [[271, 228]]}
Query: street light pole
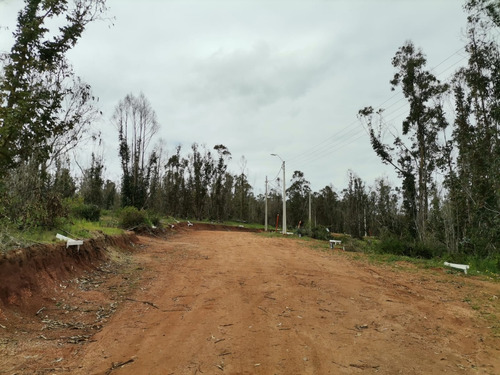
{"points": [[266, 207], [284, 194]]}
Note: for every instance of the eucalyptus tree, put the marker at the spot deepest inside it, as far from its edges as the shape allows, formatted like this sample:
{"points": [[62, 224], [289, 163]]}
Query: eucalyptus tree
{"points": [[92, 183], [274, 204], [327, 208], [386, 208], [110, 195], [218, 195], [298, 193], [37, 79], [63, 183], [474, 179], [44, 108], [242, 192], [136, 122], [227, 193], [354, 206], [201, 169], [174, 184], [416, 152]]}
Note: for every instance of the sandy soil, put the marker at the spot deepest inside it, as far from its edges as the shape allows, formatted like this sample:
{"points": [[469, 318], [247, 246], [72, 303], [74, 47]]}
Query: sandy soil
{"points": [[207, 302]]}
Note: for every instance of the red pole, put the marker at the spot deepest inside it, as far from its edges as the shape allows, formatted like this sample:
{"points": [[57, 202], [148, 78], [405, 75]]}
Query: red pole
{"points": [[277, 221]]}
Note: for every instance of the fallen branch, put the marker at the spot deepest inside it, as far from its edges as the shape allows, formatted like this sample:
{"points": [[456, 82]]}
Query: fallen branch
{"points": [[146, 302], [39, 311], [114, 366], [263, 309], [363, 367]]}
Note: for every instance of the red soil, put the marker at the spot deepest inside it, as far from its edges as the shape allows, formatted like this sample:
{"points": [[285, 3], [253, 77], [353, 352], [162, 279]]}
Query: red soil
{"points": [[211, 302]]}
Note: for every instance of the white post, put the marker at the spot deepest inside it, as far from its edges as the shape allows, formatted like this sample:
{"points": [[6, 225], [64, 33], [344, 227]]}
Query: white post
{"points": [[284, 194], [366, 234], [310, 211], [266, 207], [284, 199]]}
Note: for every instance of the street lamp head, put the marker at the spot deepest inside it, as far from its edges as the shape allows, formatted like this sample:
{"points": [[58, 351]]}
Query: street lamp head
{"points": [[277, 156]]}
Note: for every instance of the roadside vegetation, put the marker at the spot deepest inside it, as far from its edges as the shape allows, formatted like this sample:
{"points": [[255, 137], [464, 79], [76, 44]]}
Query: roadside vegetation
{"points": [[46, 111]]}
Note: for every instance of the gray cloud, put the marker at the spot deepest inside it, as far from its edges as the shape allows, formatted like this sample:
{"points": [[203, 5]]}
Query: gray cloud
{"points": [[259, 76]]}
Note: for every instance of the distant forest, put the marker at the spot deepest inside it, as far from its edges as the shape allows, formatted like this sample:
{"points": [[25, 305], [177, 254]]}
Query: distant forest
{"points": [[46, 110]]}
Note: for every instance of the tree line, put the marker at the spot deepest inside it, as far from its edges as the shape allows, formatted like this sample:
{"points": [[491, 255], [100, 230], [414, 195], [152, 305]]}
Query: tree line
{"points": [[462, 209], [448, 162]]}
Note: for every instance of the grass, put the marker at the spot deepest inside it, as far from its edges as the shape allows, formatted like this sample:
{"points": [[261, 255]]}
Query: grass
{"points": [[82, 229], [11, 237], [368, 250]]}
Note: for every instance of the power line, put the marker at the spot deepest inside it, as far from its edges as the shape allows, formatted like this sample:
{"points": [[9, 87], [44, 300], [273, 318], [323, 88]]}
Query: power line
{"points": [[277, 174], [348, 135]]}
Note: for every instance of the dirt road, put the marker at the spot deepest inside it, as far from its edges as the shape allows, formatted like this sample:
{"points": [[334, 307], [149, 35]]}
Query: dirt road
{"points": [[242, 303]]}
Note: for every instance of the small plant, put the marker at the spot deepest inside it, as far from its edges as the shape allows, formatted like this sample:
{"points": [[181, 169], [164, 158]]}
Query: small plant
{"points": [[155, 219]]}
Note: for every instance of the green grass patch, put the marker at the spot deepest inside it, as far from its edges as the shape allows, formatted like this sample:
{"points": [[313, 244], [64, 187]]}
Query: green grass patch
{"points": [[83, 229], [13, 238]]}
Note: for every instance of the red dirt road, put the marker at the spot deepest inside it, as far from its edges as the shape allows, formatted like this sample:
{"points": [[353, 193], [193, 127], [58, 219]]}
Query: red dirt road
{"points": [[241, 303]]}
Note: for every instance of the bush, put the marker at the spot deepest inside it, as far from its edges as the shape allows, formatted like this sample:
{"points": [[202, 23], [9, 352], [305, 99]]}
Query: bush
{"points": [[420, 250], [131, 218], [390, 244], [89, 212], [320, 232]]}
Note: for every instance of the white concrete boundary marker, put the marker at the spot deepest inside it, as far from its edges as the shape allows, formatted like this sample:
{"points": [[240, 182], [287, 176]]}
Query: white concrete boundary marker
{"points": [[463, 267], [69, 241]]}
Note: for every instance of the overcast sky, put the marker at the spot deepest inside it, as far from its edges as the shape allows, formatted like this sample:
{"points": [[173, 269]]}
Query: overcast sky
{"points": [[262, 76]]}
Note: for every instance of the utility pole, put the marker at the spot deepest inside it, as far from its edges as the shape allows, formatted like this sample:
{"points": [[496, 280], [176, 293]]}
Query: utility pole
{"points": [[266, 207], [366, 234], [284, 193], [310, 211], [284, 199]]}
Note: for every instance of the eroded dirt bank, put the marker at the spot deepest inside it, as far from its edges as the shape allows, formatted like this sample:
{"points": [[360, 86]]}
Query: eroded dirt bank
{"points": [[207, 302], [28, 275]]}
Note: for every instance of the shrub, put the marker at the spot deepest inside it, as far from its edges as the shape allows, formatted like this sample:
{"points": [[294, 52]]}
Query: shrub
{"points": [[131, 217], [89, 212], [320, 232], [420, 250], [391, 245]]}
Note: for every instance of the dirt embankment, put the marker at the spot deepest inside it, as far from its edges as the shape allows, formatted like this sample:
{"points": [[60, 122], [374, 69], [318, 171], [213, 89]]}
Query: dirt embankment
{"points": [[29, 275]]}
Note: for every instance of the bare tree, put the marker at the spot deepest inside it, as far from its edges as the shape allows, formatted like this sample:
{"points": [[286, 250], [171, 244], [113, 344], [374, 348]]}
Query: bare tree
{"points": [[136, 123]]}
